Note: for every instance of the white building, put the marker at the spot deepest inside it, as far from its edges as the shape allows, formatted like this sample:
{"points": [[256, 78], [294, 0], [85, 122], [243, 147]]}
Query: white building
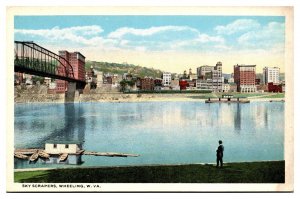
{"points": [[271, 74], [52, 85], [204, 84], [213, 73], [58, 148], [167, 77], [99, 76], [231, 80], [226, 88], [47, 80], [203, 71]]}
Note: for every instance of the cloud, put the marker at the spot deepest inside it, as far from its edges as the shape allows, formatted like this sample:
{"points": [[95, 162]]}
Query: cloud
{"points": [[240, 25], [271, 35], [121, 32], [86, 35], [163, 38], [159, 38]]}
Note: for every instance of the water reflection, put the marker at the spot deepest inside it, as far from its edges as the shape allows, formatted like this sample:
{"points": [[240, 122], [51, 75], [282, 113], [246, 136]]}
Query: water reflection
{"points": [[237, 118], [156, 131], [73, 128]]}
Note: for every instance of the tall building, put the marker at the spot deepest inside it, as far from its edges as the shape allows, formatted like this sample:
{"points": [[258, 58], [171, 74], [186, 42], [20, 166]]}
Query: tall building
{"points": [[217, 77], [77, 61], [271, 75], [244, 77], [167, 77], [210, 77], [204, 72]]}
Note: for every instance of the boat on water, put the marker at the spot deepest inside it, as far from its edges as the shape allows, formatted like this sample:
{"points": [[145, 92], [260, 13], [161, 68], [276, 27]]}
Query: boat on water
{"points": [[21, 156], [277, 100], [60, 151], [43, 154], [34, 157], [63, 157]]}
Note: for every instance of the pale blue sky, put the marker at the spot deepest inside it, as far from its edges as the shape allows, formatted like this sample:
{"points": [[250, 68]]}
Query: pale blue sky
{"points": [[154, 34]]}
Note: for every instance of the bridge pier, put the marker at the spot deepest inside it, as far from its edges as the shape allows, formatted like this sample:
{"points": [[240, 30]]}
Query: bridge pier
{"points": [[70, 93], [73, 92]]}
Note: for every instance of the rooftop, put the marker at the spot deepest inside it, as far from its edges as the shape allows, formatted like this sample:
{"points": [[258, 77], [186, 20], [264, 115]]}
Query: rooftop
{"points": [[243, 65], [63, 142]]}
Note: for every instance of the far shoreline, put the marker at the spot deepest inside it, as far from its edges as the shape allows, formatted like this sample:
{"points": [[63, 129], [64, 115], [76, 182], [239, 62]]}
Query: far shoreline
{"points": [[135, 98]]}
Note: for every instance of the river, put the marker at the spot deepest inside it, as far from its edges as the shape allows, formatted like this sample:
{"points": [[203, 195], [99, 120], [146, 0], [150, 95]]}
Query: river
{"points": [[160, 132]]}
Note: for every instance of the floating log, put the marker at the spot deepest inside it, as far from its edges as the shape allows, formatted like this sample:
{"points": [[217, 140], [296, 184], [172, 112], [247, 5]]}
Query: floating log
{"points": [[63, 157], [109, 154], [21, 156], [80, 152]]}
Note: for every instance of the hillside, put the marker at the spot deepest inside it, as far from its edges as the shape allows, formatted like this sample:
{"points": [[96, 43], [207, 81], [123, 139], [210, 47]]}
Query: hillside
{"points": [[117, 68]]}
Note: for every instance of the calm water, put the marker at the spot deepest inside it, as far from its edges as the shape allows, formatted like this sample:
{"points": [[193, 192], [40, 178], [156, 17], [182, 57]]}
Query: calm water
{"points": [[161, 132]]}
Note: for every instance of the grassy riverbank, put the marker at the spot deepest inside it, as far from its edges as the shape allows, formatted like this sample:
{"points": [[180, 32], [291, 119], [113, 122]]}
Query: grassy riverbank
{"points": [[252, 172]]}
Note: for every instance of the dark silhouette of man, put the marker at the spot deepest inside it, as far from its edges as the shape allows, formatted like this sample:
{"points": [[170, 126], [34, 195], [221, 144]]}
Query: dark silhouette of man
{"points": [[220, 151]]}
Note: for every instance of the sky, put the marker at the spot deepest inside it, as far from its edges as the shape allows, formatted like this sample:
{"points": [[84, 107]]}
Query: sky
{"points": [[171, 43]]}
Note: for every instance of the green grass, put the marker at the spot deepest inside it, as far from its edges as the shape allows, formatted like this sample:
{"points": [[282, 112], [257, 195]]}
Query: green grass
{"points": [[278, 95], [244, 95], [254, 172]]}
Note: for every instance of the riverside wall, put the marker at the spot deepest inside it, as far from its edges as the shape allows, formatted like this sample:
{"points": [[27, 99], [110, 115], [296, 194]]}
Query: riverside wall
{"points": [[39, 94]]}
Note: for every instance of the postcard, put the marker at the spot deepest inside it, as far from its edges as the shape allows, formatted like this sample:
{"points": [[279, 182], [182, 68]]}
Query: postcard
{"points": [[150, 99]]}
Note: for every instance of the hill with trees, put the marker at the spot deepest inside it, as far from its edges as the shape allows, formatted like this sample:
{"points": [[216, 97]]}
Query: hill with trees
{"points": [[117, 68]]}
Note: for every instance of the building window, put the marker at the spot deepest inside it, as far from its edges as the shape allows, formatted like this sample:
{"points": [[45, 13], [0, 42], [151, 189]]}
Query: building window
{"points": [[55, 146], [66, 146]]}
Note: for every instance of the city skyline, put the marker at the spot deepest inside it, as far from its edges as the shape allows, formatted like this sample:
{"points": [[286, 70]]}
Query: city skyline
{"points": [[170, 43]]}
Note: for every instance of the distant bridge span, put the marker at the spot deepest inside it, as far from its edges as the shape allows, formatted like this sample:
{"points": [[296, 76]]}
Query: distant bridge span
{"points": [[31, 58]]}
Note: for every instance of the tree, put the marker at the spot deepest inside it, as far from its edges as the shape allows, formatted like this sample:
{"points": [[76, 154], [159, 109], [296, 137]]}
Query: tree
{"points": [[123, 84]]}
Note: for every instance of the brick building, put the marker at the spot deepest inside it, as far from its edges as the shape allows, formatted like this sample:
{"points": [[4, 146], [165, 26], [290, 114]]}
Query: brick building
{"points": [[244, 77], [77, 61], [147, 83], [275, 88], [257, 81], [183, 84], [19, 78]]}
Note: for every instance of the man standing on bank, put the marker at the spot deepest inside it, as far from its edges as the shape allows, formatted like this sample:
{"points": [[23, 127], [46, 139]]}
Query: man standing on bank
{"points": [[220, 151]]}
